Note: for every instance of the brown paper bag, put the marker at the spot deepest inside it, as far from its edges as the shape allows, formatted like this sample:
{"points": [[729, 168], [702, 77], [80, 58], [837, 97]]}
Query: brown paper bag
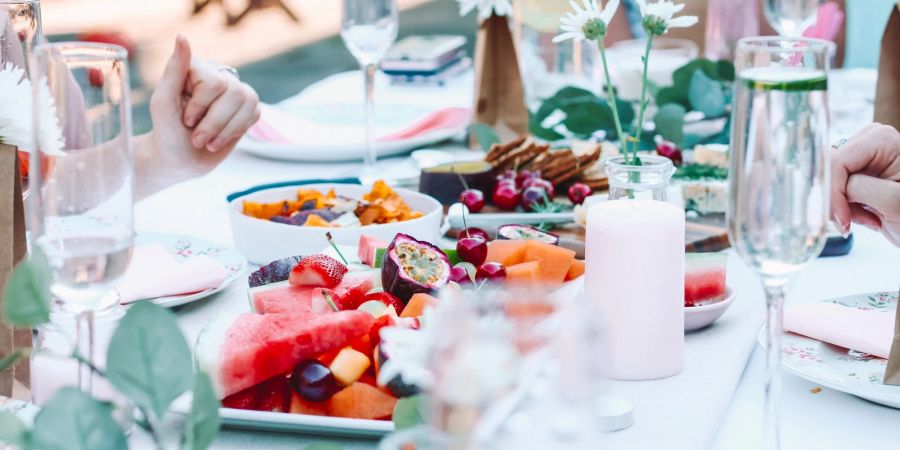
{"points": [[499, 93], [12, 250], [887, 95]]}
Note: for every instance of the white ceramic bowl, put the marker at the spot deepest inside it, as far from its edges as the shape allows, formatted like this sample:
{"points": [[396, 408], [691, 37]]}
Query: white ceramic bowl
{"points": [[263, 241], [697, 317]]}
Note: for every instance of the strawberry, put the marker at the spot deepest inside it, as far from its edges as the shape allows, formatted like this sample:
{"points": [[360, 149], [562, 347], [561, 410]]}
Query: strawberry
{"points": [[317, 270], [386, 298]]}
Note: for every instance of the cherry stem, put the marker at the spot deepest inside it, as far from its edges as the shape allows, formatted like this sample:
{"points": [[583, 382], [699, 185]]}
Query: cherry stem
{"points": [[461, 179], [330, 300], [335, 247]]}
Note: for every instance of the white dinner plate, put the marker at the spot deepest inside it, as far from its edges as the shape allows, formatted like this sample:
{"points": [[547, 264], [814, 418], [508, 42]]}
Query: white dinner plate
{"points": [[184, 247], [837, 368]]}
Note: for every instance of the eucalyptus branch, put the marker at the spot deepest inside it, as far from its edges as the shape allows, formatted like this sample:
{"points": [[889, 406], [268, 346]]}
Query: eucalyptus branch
{"points": [[611, 99], [643, 105]]}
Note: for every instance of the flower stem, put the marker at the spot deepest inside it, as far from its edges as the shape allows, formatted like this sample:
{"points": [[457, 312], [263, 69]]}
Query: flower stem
{"points": [[611, 99], [643, 105]]}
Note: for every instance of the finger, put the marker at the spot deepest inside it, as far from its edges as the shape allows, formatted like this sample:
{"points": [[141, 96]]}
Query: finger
{"points": [[217, 116], [236, 127], [176, 72], [204, 92], [864, 217], [877, 194]]}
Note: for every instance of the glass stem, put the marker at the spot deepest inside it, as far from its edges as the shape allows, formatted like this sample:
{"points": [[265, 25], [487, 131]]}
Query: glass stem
{"points": [[84, 345], [371, 155], [774, 288]]}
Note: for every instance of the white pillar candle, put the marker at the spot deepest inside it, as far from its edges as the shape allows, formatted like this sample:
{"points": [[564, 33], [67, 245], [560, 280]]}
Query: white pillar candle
{"points": [[634, 275]]}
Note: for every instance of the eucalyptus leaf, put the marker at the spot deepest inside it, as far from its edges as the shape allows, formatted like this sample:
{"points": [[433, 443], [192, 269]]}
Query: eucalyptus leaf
{"points": [[536, 122], [584, 118], [669, 121], [148, 358], [203, 422], [408, 412], [11, 359], [485, 134], [72, 420], [707, 95], [672, 94], [27, 293], [12, 430]]}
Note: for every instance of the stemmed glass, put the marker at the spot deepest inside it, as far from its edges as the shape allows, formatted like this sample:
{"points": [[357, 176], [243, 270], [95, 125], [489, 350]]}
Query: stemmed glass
{"points": [[80, 206], [369, 28], [778, 199], [790, 18]]}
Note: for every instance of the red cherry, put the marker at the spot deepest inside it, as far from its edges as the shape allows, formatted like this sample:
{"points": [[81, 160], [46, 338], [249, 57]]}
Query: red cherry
{"points": [[472, 232], [491, 272], [525, 175], [473, 199], [543, 184], [533, 197], [671, 151], [578, 192], [386, 298], [506, 197], [472, 250], [460, 275], [95, 77], [508, 174]]}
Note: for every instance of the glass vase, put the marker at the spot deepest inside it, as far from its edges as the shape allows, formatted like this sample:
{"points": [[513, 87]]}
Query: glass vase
{"points": [[648, 181]]}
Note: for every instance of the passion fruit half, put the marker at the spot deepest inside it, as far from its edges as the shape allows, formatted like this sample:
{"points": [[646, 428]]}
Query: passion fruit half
{"points": [[411, 266]]}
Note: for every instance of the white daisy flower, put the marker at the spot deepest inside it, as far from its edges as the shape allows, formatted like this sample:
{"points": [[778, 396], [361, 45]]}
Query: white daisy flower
{"points": [[660, 16], [16, 98], [486, 8], [587, 22]]}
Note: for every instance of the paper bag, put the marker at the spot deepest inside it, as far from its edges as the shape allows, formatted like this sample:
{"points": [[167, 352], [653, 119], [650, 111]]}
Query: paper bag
{"points": [[12, 250], [499, 93], [887, 95], [892, 373]]}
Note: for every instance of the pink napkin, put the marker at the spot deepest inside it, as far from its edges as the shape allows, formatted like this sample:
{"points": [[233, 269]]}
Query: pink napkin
{"points": [[828, 23], [867, 331], [155, 272]]}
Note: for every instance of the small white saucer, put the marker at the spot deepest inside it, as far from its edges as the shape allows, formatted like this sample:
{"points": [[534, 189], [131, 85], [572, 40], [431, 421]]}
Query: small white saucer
{"points": [[697, 317]]}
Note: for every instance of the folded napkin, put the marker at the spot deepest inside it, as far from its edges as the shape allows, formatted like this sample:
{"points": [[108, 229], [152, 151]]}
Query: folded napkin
{"points": [[867, 331], [290, 124], [156, 272]]}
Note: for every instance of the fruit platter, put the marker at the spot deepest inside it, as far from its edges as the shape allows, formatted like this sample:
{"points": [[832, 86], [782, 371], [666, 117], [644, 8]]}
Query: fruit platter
{"points": [[309, 354]]}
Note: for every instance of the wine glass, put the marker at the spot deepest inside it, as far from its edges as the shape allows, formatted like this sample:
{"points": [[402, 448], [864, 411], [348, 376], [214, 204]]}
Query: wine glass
{"points": [[369, 28], [779, 185], [20, 31], [790, 18], [80, 209]]}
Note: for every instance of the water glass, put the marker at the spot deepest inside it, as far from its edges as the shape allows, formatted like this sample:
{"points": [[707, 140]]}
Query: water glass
{"points": [[80, 208]]}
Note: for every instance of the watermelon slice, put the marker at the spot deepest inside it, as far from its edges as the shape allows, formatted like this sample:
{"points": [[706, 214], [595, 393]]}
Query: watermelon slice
{"points": [[704, 278], [368, 245], [281, 297], [245, 350]]}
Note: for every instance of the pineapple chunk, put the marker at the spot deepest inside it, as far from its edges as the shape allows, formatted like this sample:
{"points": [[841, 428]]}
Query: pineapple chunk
{"points": [[349, 365]]}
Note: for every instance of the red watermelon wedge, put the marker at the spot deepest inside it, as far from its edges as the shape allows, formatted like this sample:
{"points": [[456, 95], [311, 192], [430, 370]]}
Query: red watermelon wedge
{"points": [[704, 278], [281, 297], [242, 351]]}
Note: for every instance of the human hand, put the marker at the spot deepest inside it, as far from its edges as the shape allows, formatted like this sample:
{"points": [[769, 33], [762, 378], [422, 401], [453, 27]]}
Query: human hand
{"points": [[865, 177], [199, 113]]}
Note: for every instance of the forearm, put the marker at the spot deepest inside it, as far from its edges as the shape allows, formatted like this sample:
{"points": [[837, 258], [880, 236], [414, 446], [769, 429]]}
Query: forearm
{"points": [[153, 168]]}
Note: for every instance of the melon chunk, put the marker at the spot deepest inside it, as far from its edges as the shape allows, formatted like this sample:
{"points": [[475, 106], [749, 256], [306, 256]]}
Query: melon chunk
{"points": [[368, 246], [524, 273], [361, 401], [555, 261], [349, 365], [576, 269], [417, 304], [506, 252], [242, 351], [301, 406]]}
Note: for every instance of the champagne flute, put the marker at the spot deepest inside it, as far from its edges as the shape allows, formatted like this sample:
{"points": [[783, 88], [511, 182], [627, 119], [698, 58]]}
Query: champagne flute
{"points": [[80, 209], [369, 28], [779, 186], [790, 18]]}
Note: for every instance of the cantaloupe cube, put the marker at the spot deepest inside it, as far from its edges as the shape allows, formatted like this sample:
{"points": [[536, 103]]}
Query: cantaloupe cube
{"points": [[576, 269], [349, 365], [300, 406], [506, 252], [361, 401], [416, 305], [524, 273], [555, 261]]}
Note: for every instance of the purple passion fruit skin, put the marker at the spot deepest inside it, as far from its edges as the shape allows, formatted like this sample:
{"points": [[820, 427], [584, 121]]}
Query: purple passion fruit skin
{"points": [[396, 385], [525, 232], [411, 266], [273, 272]]}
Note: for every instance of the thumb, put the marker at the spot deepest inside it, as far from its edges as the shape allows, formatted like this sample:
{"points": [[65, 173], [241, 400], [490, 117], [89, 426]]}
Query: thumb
{"points": [[177, 69]]}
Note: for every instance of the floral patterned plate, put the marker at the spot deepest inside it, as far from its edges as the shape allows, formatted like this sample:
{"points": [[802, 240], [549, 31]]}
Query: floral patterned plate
{"points": [[183, 247], [835, 367]]}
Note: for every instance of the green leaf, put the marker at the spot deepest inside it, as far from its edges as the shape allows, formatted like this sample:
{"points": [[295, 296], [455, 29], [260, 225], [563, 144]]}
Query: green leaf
{"points": [[27, 293], [725, 70], [707, 95], [148, 358], [12, 430], [669, 122], [571, 93], [485, 135], [409, 412], [452, 255], [11, 359], [672, 94], [586, 117], [323, 446], [700, 172], [203, 422], [536, 120], [72, 420]]}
